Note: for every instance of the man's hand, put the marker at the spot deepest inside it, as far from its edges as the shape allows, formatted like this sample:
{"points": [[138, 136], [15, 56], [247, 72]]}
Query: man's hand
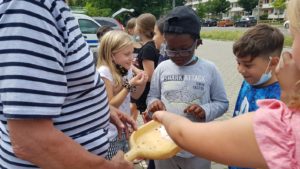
{"points": [[119, 161], [156, 106], [122, 121], [196, 111]]}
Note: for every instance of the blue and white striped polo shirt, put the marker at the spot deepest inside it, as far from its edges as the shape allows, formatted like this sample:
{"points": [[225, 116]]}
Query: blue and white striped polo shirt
{"points": [[47, 71]]}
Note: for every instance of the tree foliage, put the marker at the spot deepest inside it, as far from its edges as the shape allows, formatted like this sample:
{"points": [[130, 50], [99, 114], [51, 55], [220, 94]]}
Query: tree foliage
{"points": [[156, 7], [93, 11], [279, 4], [217, 7], [248, 5], [201, 10]]}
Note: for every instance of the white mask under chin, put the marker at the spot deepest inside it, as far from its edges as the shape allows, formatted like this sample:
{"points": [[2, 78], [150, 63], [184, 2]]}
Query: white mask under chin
{"points": [[264, 78]]}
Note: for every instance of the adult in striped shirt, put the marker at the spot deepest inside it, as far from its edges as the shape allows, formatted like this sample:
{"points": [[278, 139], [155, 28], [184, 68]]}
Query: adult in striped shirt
{"points": [[54, 112]]}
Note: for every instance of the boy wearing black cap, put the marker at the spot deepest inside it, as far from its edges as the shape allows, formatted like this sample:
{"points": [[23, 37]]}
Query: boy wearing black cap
{"points": [[185, 84]]}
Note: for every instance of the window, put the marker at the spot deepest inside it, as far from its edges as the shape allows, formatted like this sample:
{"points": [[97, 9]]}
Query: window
{"points": [[87, 26], [106, 23]]}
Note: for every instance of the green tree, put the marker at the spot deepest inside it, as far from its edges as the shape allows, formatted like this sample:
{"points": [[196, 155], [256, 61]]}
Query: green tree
{"points": [[93, 11], [80, 3], [279, 5], [221, 6], [217, 7], [201, 10], [248, 5], [156, 7]]}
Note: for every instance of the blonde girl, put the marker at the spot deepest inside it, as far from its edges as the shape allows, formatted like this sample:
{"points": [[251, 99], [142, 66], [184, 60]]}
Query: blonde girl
{"points": [[267, 138], [114, 64]]}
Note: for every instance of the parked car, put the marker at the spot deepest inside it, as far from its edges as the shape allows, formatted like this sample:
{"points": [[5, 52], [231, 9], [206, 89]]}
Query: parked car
{"points": [[286, 24], [111, 22], [225, 22], [246, 21], [88, 27], [209, 22]]}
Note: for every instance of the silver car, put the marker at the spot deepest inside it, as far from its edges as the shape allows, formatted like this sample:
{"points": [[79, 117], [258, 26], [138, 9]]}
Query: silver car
{"points": [[111, 22]]}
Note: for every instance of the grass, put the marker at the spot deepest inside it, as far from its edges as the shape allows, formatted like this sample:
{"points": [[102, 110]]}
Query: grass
{"points": [[227, 35]]}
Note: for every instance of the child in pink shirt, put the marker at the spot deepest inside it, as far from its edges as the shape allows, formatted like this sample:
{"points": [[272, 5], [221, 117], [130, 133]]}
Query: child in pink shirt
{"points": [[267, 138]]}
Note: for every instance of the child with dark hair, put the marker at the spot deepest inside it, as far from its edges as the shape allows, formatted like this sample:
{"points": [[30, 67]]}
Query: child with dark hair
{"points": [[257, 54], [102, 30], [159, 40], [147, 58], [266, 138], [185, 84], [130, 25]]}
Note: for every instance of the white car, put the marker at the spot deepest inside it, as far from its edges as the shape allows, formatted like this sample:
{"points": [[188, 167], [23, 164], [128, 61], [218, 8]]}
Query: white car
{"points": [[88, 27], [286, 24]]}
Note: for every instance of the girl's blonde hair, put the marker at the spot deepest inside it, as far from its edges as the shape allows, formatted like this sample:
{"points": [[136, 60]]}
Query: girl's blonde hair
{"points": [[145, 23], [111, 43], [294, 14]]}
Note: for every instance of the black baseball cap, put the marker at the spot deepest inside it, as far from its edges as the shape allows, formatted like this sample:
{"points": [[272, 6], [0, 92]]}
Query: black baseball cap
{"points": [[182, 20]]}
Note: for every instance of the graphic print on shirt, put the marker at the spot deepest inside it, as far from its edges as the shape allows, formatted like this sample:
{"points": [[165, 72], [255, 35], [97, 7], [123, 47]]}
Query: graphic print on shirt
{"points": [[180, 91], [244, 107]]}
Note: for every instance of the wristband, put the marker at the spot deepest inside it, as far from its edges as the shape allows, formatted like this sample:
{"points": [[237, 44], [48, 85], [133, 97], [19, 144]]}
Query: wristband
{"points": [[127, 86]]}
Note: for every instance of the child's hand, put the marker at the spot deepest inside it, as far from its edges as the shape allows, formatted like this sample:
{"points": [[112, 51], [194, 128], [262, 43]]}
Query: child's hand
{"points": [[195, 110], [287, 73], [156, 106], [140, 79], [146, 117]]}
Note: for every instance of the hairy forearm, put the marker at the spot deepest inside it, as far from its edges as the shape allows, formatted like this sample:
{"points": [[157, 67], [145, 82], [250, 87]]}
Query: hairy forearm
{"points": [[49, 148]]}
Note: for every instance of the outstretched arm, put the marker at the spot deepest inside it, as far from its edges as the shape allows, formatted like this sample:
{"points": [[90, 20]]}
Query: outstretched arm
{"points": [[230, 142], [49, 148]]}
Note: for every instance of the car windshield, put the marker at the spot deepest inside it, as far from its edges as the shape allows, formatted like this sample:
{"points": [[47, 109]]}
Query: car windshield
{"points": [[106, 23]]}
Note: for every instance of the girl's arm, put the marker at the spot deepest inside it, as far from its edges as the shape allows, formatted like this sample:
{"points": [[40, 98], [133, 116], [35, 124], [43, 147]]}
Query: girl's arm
{"points": [[230, 142], [136, 94], [114, 100], [148, 68], [135, 70], [139, 81]]}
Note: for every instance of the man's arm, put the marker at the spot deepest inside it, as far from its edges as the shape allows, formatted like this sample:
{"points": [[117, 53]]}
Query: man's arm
{"points": [[48, 148]]}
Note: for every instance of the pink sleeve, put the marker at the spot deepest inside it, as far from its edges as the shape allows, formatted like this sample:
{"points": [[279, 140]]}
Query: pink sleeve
{"points": [[273, 130]]}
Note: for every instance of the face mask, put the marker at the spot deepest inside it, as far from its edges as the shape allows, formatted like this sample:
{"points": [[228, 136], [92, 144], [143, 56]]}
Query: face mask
{"points": [[121, 70], [162, 49], [137, 38], [264, 77], [192, 60]]}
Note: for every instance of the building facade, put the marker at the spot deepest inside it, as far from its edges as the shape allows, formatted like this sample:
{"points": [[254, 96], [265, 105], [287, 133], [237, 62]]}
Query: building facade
{"points": [[265, 9]]}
